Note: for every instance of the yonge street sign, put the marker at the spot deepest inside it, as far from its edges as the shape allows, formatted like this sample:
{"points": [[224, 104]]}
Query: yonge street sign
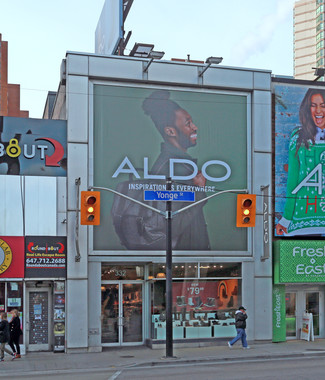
{"points": [[184, 196]]}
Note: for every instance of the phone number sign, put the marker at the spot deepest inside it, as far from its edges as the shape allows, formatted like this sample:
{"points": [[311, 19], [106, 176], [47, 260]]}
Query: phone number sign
{"points": [[45, 256]]}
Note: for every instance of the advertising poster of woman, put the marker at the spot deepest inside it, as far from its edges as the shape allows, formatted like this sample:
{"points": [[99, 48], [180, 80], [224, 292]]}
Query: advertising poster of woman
{"points": [[299, 161]]}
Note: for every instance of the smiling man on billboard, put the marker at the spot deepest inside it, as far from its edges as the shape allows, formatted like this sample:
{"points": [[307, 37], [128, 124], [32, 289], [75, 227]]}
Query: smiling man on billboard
{"points": [[141, 228]]}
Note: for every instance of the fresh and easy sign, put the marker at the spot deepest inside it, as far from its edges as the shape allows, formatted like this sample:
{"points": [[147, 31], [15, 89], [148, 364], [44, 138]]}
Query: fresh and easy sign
{"points": [[300, 261]]}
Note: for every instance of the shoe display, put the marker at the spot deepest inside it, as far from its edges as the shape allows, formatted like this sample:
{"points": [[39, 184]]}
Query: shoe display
{"points": [[197, 302], [180, 300], [190, 301], [211, 302]]}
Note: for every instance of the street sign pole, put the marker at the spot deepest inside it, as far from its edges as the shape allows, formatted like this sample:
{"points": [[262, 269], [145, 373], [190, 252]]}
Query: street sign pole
{"points": [[169, 278]]}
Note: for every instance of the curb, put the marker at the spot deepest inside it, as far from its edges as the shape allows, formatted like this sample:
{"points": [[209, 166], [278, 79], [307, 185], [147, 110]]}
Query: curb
{"points": [[176, 360]]}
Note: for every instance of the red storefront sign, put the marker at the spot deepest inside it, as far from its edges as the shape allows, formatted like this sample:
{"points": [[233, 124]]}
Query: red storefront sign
{"points": [[206, 295], [12, 256]]}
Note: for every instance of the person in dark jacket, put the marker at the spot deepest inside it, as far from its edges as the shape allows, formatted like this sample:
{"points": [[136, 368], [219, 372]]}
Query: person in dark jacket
{"points": [[15, 332], [4, 337], [240, 323]]}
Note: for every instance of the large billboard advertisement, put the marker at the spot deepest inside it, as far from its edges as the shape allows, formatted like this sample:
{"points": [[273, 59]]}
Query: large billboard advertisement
{"points": [[144, 135], [35, 147], [299, 161], [109, 29]]}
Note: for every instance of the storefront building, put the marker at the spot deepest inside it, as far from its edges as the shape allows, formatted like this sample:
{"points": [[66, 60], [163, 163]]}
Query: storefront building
{"points": [[33, 243], [299, 280], [130, 128], [299, 211]]}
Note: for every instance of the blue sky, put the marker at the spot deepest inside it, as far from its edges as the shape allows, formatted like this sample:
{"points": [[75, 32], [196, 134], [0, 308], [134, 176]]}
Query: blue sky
{"points": [[251, 33]]}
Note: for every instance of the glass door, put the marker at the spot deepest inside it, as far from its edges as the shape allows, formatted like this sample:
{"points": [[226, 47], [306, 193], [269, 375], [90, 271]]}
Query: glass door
{"points": [[38, 320], [110, 313], [122, 316], [312, 300], [300, 300], [132, 313], [291, 313]]}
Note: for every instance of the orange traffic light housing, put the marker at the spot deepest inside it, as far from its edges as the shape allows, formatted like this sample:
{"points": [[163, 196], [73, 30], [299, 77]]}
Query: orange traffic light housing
{"points": [[90, 208], [246, 210]]}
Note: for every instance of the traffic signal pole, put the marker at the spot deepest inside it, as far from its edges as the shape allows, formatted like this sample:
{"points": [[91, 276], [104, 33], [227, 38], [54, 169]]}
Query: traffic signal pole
{"points": [[169, 276], [168, 214]]}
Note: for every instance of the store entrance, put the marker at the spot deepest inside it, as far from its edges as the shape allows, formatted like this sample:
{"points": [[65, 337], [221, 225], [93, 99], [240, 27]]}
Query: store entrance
{"points": [[38, 319], [122, 316], [299, 301]]}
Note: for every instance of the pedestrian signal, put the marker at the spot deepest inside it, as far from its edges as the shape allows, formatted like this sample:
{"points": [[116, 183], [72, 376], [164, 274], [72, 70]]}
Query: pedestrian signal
{"points": [[90, 208], [246, 210]]}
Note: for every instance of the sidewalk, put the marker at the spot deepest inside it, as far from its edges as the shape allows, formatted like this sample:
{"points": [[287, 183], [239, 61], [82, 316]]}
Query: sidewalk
{"points": [[118, 358]]}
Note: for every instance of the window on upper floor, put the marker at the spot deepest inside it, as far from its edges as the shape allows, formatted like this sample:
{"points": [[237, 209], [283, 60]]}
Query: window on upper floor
{"points": [[320, 53]]}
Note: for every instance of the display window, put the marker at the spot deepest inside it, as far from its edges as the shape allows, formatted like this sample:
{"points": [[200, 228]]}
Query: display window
{"points": [[11, 297], [196, 270], [2, 296], [180, 270], [203, 307]]}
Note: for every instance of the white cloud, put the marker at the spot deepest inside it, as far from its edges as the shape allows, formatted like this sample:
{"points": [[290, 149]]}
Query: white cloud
{"points": [[258, 40]]}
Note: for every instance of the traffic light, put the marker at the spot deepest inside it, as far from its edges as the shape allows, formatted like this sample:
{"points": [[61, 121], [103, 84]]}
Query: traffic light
{"points": [[90, 208], [246, 210]]}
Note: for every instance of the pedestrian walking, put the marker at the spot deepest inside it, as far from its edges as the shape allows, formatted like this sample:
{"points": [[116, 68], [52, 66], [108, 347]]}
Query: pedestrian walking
{"points": [[240, 323], [4, 337], [15, 332]]}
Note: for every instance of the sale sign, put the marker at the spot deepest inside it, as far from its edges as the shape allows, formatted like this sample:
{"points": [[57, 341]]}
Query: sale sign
{"points": [[206, 295]]}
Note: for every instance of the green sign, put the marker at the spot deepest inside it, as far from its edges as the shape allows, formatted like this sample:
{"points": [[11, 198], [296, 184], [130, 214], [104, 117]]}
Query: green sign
{"points": [[279, 314], [299, 261]]}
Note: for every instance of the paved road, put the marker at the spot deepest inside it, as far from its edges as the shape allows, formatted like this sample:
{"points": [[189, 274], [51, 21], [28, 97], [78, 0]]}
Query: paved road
{"points": [[290, 360], [271, 369], [288, 369]]}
